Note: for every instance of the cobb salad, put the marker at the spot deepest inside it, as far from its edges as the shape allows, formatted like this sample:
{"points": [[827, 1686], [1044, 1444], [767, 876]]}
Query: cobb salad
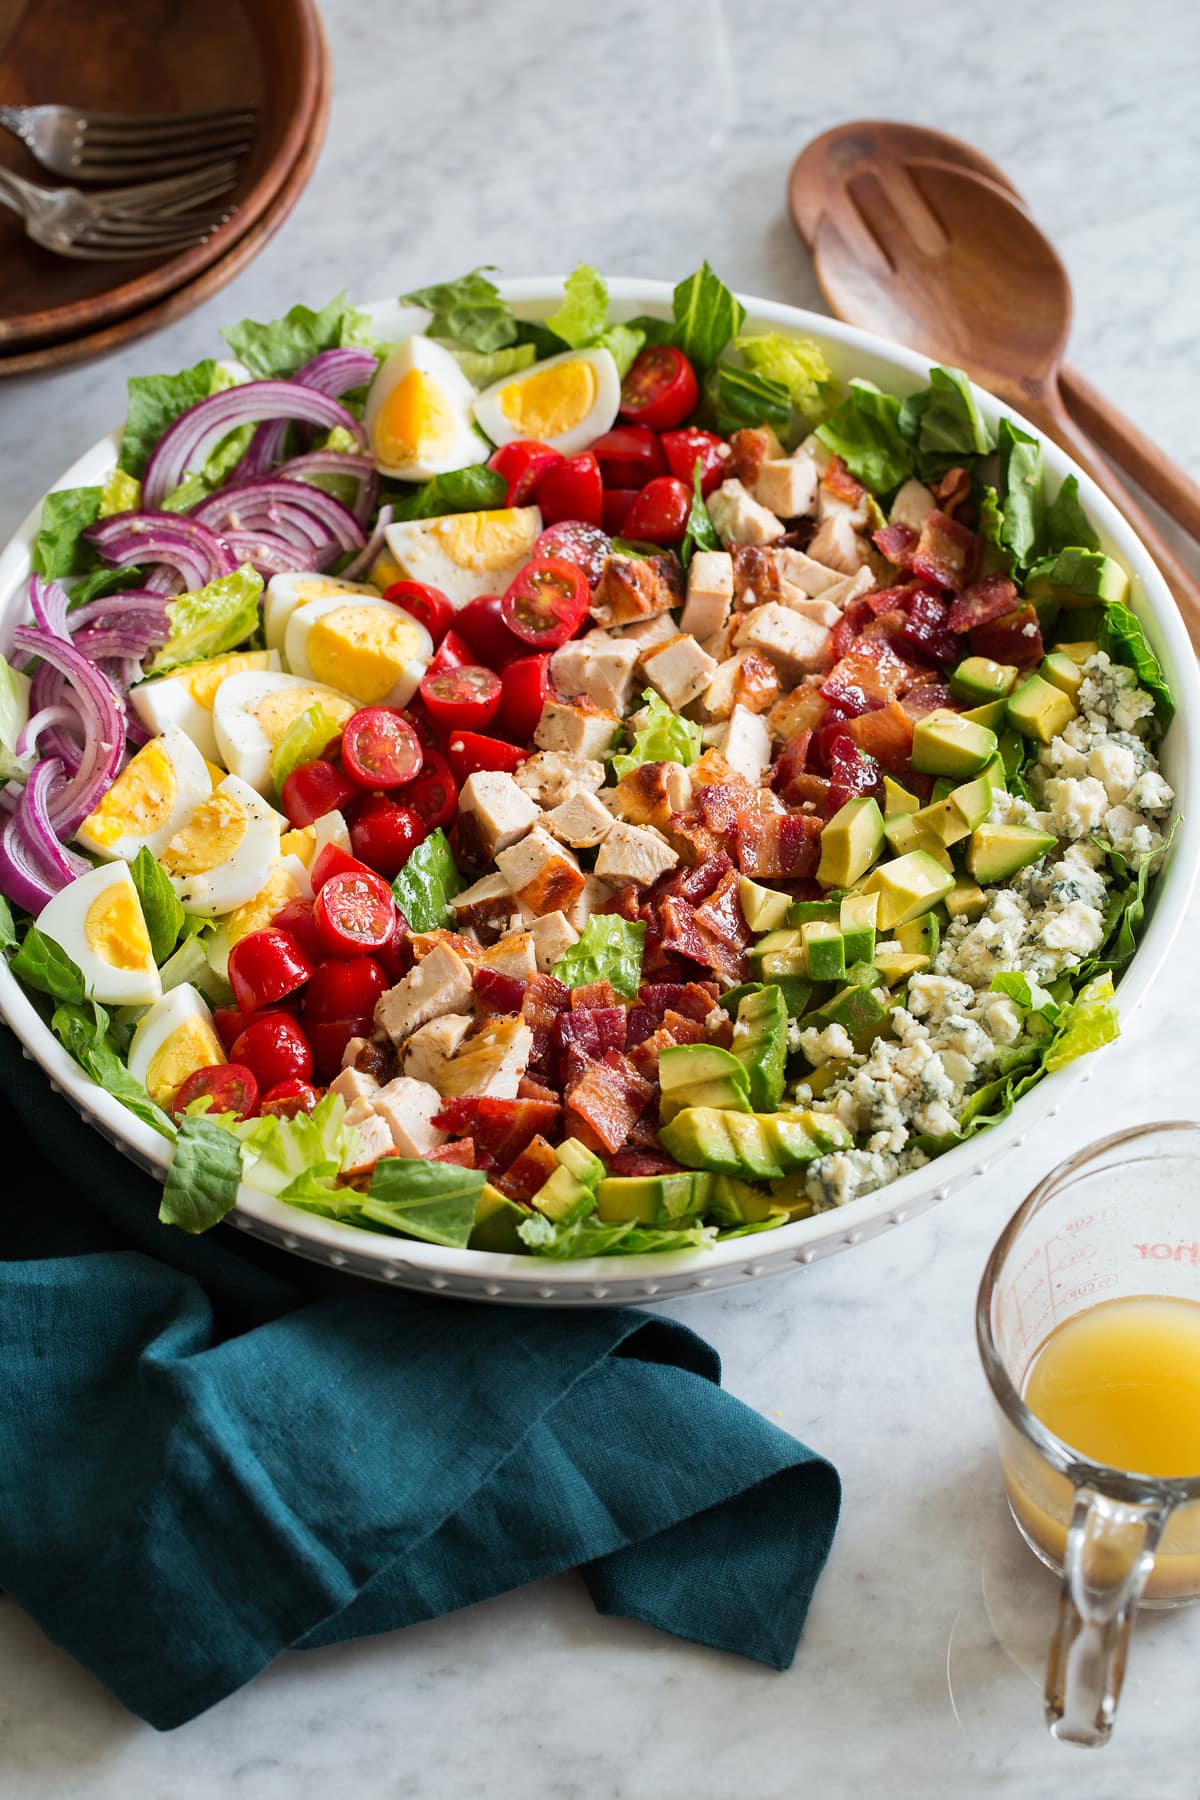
{"points": [[570, 787]]}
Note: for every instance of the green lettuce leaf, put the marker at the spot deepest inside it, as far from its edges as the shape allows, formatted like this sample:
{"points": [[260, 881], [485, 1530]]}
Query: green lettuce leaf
{"points": [[583, 314], [1121, 635], [1126, 908], [1029, 995], [427, 883], [8, 931], [1089, 1021], [469, 309], [474, 489], [202, 1181], [160, 904], [156, 401], [101, 581], [303, 742], [665, 737], [796, 363], [741, 398], [622, 343], [865, 433], [482, 367], [121, 493], [59, 548], [432, 1201], [701, 533], [278, 1152], [214, 619], [84, 1030], [1067, 525], [1024, 523], [707, 318], [279, 347], [653, 331], [14, 715], [944, 424], [593, 1236], [609, 949], [45, 966]]}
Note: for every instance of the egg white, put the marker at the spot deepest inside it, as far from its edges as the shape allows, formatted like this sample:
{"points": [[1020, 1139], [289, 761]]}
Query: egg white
{"points": [[182, 1015], [223, 855], [288, 880], [355, 673], [507, 412], [466, 554], [307, 841], [247, 736], [286, 592], [164, 782], [186, 698], [74, 919], [418, 413]]}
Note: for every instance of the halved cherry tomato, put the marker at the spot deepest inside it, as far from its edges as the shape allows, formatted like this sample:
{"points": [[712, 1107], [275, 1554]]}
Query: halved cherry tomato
{"points": [[526, 685], [384, 835], [380, 749], [287, 1098], [427, 605], [433, 796], [342, 990], [231, 1021], [354, 913], [470, 751], [312, 790], [452, 653], [274, 1049], [587, 546], [296, 918], [481, 624], [266, 966], [660, 389], [683, 449], [329, 1042], [547, 602], [617, 502], [229, 1087], [396, 958], [422, 724], [333, 861], [629, 456], [461, 698], [572, 490], [522, 465], [660, 513]]}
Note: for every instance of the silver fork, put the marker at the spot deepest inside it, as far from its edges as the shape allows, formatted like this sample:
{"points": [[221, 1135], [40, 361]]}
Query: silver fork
{"points": [[113, 225], [99, 146]]}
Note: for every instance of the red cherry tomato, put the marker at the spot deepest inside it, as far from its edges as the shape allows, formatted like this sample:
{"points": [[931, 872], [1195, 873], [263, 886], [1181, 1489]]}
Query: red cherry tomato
{"points": [[333, 861], [433, 796], [342, 990], [266, 966], [422, 724], [296, 918], [547, 602], [617, 502], [481, 624], [396, 958], [522, 465], [575, 542], [380, 749], [329, 1042], [354, 913], [684, 449], [229, 1087], [572, 490], [629, 456], [312, 790], [427, 605], [659, 515], [384, 835], [452, 653], [469, 751], [231, 1021], [469, 696], [274, 1049], [287, 1098], [526, 685], [660, 389]]}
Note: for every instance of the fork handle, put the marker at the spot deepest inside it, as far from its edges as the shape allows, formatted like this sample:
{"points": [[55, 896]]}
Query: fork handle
{"points": [[16, 193], [18, 120], [1120, 439]]}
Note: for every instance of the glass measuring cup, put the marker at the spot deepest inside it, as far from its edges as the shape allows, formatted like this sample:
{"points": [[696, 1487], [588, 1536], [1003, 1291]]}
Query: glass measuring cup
{"points": [[1119, 1220]]}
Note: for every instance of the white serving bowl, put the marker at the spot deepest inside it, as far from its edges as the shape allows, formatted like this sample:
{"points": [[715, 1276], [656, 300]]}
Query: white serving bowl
{"points": [[534, 1281]]}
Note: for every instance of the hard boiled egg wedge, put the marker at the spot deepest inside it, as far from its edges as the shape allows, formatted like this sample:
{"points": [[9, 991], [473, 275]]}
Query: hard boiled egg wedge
{"points": [[186, 698], [366, 649], [252, 711], [418, 415], [224, 854], [466, 554], [155, 793], [172, 1041], [288, 880], [98, 922], [307, 841], [566, 401], [286, 592]]}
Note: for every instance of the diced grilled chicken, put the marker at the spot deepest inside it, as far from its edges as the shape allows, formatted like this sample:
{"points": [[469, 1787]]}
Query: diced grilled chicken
{"points": [[553, 934], [491, 1061], [749, 449], [374, 1140], [354, 1084], [579, 821], [485, 908], [592, 898], [542, 874], [680, 670], [635, 588], [812, 578], [406, 1107], [511, 955], [440, 983], [431, 1047], [710, 593], [502, 811], [800, 710], [745, 744], [649, 794], [598, 666], [850, 587], [838, 545], [823, 611], [787, 485], [913, 500], [794, 644], [634, 853], [551, 776], [576, 729], [648, 632], [738, 517]]}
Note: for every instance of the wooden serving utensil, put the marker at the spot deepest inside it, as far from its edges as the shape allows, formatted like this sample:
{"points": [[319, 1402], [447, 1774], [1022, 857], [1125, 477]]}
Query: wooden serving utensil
{"points": [[819, 175]]}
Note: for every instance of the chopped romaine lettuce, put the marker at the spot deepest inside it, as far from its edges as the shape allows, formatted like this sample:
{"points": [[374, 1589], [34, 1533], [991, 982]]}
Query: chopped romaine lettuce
{"points": [[279, 347], [14, 716], [304, 740], [1121, 635], [665, 737], [45, 966], [1023, 523], [1067, 525], [742, 398], [8, 930], [470, 309], [707, 318], [122, 493], [160, 904], [798, 364], [429, 1200], [584, 310], [156, 401], [214, 619], [609, 949], [865, 432], [474, 489], [1086, 1024], [427, 883], [622, 343], [701, 533], [944, 425], [84, 1030], [276, 1152], [204, 1176], [59, 548], [482, 367], [593, 1236]]}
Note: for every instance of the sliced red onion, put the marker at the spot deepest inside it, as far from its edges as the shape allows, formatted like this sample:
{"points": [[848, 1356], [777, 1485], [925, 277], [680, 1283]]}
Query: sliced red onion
{"points": [[337, 462], [184, 544], [266, 552], [33, 819], [123, 640], [371, 549], [293, 510], [21, 877], [332, 372], [135, 604], [103, 721], [39, 722], [50, 604], [50, 689], [195, 435]]}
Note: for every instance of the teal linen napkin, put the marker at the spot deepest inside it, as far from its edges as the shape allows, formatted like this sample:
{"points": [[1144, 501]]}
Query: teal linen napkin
{"points": [[202, 1463]]}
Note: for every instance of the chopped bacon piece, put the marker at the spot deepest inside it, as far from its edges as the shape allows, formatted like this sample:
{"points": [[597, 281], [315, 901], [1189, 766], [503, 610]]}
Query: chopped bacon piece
{"points": [[756, 578], [594, 994], [927, 697], [886, 734], [643, 1163], [545, 1056], [694, 999], [607, 1098], [544, 999], [536, 1163], [624, 903], [693, 843], [810, 792], [496, 993], [695, 885], [636, 588], [801, 710], [687, 935], [593, 1032], [849, 628], [1014, 638], [897, 543], [947, 554], [869, 675], [838, 480], [851, 771], [953, 491], [673, 1030], [500, 1128], [529, 1089], [925, 630], [718, 807], [461, 1153], [423, 942], [749, 450], [791, 761], [784, 845], [987, 599], [721, 913], [890, 599]]}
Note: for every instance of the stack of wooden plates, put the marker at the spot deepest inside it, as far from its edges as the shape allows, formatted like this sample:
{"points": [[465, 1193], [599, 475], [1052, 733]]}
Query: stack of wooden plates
{"points": [[155, 57]]}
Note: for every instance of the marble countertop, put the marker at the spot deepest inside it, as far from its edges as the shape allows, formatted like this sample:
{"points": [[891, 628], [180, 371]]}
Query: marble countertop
{"points": [[534, 135]]}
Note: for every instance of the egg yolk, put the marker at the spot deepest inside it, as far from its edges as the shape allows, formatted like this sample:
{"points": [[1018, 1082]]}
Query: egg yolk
{"points": [[414, 420], [362, 650], [302, 843], [551, 401], [202, 681], [482, 541], [192, 1045], [275, 712], [209, 838], [139, 801], [115, 930], [280, 888]]}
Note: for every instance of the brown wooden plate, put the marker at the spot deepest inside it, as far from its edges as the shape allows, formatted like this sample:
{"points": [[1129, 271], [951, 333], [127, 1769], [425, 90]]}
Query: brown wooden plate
{"points": [[151, 56]]}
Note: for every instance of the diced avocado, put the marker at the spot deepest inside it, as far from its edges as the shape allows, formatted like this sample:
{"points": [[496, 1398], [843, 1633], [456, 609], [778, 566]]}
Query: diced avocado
{"points": [[897, 965], [954, 818], [944, 743], [824, 952], [995, 773], [760, 1045], [782, 964], [1062, 672], [496, 1221], [736, 1202], [791, 1196], [563, 1198], [922, 936], [733, 997], [1078, 652], [990, 715], [783, 937], [944, 785], [998, 851], [979, 678], [649, 1199], [909, 886], [802, 912], [1078, 577], [762, 908], [757, 1146], [966, 900], [897, 799], [863, 974], [859, 1009], [1039, 710], [583, 1164], [856, 921], [700, 1075], [905, 834], [850, 842], [797, 993], [818, 1080]]}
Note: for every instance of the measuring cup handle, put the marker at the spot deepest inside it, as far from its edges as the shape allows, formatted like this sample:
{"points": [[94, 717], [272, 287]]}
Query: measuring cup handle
{"points": [[1109, 1555]]}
